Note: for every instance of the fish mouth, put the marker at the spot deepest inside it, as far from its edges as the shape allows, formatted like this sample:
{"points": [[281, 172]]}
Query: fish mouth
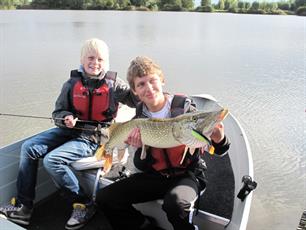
{"points": [[223, 115], [200, 136]]}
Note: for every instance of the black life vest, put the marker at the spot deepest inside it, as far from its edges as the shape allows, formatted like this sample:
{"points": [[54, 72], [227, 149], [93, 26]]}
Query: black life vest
{"points": [[98, 105], [165, 159]]}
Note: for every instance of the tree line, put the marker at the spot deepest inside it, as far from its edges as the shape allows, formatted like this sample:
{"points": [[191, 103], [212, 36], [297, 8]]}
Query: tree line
{"points": [[234, 6]]}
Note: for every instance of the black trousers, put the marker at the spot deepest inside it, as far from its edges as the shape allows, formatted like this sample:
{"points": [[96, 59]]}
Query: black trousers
{"points": [[178, 193]]}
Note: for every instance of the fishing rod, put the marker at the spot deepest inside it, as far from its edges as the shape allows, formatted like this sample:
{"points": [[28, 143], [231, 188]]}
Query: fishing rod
{"points": [[49, 118], [28, 116]]}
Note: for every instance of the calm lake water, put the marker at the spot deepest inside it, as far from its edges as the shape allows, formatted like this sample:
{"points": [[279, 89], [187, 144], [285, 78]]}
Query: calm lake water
{"points": [[254, 65]]}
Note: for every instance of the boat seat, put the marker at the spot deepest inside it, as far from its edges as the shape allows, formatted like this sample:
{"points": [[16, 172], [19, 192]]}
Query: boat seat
{"points": [[193, 209], [89, 163], [195, 206], [92, 162]]}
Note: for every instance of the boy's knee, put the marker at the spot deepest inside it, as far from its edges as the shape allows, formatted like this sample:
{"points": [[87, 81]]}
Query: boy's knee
{"points": [[174, 207], [171, 205], [48, 162], [27, 146], [31, 150]]}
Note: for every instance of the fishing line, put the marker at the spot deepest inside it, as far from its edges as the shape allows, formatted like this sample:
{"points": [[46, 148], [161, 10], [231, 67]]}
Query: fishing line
{"points": [[59, 119], [49, 118]]}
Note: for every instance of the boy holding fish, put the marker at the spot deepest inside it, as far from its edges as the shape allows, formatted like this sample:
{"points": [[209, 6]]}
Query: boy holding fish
{"points": [[171, 174]]}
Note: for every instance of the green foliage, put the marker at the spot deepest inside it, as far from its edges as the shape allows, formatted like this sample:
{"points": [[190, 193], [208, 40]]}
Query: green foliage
{"points": [[220, 5], [152, 5], [241, 5], [255, 6], [76, 4], [299, 3], [284, 5], [11, 4], [122, 4], [187, 4], [205, 2], [301, 11], [234, 6], [227, 4], [205, 9], [171, 5]]}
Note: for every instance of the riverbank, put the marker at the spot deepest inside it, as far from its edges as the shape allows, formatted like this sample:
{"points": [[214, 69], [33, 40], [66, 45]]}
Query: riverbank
{"points": [[298, 7]]}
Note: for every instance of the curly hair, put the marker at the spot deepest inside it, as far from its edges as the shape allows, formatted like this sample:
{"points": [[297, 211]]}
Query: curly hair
{"points": [[142, 66]]}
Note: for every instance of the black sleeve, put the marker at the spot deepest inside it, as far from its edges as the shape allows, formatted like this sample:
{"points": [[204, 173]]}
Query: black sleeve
{"points": [[62, 105], [124, 94], [222, 147]]}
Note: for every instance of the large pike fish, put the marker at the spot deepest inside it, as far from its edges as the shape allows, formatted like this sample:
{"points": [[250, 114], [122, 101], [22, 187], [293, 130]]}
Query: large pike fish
{"points": [[191, 129]]}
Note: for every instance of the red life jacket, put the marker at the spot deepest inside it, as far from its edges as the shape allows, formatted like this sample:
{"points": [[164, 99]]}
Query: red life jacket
{"points": [[169, 158], [97, 105]]}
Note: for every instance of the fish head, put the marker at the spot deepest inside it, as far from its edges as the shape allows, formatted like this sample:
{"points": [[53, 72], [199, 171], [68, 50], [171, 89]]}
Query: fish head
{"points": [[203, 122]]}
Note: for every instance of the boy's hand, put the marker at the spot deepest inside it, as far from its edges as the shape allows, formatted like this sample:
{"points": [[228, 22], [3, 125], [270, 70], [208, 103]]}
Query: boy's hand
{"points": [[218, 133], [70, 121], [134, 138]]}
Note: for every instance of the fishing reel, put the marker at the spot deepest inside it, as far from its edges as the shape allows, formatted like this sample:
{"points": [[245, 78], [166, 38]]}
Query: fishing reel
{"points": [[248, 185]]}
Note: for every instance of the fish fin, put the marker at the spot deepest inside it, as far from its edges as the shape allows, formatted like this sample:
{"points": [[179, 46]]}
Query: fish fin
{"points": [[100, 152], [143, 154], [192, 150], [184, 154], [121, 153], [211, 150], [108, 162]]}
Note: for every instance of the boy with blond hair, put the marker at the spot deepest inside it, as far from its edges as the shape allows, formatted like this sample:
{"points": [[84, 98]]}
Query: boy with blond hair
{"points": [[87, 100]]}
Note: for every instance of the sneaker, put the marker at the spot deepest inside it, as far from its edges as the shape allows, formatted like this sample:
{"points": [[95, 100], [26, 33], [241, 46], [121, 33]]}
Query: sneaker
{"points": [[81, 214], [17, 213]]}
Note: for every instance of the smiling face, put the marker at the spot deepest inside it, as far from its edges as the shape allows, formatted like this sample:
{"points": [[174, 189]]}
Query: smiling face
{"points": [[93, 63], [146, 79], [149, 90], [95, 57]]}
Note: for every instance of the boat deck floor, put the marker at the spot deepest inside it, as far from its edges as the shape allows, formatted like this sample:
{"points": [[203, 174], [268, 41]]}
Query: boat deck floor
{"points": [[219, 196], [52, 213]]}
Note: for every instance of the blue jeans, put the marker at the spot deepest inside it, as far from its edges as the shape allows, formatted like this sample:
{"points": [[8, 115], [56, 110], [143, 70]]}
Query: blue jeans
{"points": [[59, 148]]}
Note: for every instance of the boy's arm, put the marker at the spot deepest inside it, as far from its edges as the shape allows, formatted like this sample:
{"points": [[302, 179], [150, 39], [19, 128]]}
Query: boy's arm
{"points": [[62, 106], [222, 147], [124, 94]]}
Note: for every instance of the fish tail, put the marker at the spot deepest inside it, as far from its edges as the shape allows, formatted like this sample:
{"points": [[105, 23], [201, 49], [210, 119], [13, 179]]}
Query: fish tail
{"points": [[108, 162], [100, 152]]}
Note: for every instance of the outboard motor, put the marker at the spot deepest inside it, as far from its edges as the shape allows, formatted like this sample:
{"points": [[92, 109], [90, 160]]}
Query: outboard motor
{"points": [[248, 186]]}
